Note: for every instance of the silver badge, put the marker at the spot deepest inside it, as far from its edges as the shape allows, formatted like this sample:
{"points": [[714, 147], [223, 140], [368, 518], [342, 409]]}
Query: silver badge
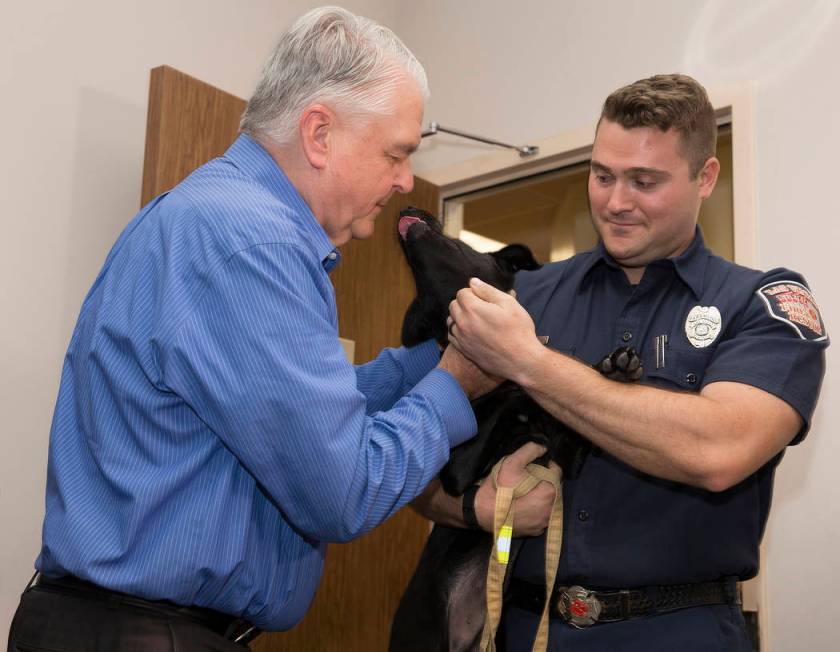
{"points": [[702, 326]]}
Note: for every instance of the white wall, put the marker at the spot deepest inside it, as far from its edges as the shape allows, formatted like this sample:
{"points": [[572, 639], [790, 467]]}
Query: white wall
{"points": [[74, 79], [529, 70]]}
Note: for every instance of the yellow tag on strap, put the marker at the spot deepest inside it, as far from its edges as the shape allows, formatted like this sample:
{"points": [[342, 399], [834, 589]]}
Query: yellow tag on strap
{"points": [[503, 544]]}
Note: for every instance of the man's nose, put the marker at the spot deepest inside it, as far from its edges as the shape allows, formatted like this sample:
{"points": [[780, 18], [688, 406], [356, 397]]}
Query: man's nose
{"points": [[404, 180], [621, 199]]}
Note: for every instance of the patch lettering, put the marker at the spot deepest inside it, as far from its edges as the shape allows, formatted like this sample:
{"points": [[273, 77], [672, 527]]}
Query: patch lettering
{"points": [[792, 303]]}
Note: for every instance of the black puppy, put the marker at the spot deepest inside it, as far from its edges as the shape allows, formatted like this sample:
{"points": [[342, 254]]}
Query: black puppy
{"points": [[441, 266], [443, 607]]}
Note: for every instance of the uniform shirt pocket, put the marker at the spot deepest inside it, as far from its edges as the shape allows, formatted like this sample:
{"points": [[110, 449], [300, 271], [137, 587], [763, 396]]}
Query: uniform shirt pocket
{"points": [[684, 368]]}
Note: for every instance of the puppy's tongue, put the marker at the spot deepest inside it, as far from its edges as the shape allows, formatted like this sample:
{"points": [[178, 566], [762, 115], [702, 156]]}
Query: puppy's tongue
{"points": [[405, 222]]}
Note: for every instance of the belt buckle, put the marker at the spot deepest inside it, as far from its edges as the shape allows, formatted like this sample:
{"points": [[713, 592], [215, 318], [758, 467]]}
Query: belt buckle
{"points": [[578, 606]]}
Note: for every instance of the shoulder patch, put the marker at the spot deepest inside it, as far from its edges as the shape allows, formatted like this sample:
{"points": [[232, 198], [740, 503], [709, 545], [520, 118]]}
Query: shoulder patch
{"points": [[792, 303]]}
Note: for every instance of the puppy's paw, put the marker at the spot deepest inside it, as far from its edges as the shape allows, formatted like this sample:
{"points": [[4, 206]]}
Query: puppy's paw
{"points": [[623, 365]]}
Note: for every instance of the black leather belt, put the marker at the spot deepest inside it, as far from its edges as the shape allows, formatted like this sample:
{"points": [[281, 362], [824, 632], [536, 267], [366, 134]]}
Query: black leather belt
{"points": [[582, 607], [230, 627]]}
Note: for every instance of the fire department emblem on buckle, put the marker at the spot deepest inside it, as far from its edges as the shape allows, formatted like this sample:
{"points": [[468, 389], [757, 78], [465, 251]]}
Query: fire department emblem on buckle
{"points": [[579, 607], [702, 326]]}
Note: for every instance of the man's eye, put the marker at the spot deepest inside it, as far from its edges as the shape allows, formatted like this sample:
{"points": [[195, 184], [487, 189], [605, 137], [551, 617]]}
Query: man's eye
{"points": [[603, 179], [643, 184]]}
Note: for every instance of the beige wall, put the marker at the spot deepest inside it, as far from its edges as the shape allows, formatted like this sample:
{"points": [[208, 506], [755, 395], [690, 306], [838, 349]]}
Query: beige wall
{"points": [[75, 76], [529, 70], [74, 79]]}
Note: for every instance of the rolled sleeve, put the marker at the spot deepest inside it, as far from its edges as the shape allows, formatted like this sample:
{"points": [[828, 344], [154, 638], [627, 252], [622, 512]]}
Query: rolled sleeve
{"points": [[394, 372], [441, 388]]}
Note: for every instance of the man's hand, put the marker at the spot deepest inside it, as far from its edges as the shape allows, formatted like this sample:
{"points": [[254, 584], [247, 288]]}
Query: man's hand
{"points": [[472, 379], [491, 328], [531, 511]]}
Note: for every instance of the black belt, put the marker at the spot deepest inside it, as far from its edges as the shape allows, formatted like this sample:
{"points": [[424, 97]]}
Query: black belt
{"points": [[582, 607], [230, 627]]}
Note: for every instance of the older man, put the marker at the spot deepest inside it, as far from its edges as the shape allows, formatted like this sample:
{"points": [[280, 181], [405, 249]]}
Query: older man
{"points": [[209, 435]]}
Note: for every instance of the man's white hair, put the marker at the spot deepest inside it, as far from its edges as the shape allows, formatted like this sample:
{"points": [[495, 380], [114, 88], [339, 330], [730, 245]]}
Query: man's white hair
{"points": [[331, 56]]}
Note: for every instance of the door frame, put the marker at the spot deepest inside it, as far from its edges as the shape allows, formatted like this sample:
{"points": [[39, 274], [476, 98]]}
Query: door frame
{"points": [[733, 105]]}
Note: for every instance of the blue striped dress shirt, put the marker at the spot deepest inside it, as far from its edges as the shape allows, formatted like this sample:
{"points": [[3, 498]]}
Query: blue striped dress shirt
{"points": [[209, 434]]}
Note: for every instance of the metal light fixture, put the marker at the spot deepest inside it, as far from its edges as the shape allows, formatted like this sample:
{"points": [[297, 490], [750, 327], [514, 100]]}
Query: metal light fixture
{"points": [[524, 150]]}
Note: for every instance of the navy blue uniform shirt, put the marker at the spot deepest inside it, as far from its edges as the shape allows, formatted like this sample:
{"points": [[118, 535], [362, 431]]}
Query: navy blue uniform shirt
{"points": [[624, 528]]}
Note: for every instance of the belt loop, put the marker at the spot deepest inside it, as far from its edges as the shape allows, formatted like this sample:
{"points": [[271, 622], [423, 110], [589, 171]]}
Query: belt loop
{"points": [[625, 603], [730, 590]]}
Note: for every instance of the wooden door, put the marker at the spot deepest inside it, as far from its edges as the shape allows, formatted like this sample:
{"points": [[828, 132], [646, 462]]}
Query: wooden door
{"points": [[190, 122]]}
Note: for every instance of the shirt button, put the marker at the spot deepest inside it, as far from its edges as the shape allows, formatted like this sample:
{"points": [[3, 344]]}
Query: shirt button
{"points": [[627, 336], [332, 255], [583, 515], [690, 378]]}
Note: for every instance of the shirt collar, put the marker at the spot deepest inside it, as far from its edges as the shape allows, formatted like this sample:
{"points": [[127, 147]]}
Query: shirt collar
{"points": [[252, 159], [598, 255], [690, 265]]}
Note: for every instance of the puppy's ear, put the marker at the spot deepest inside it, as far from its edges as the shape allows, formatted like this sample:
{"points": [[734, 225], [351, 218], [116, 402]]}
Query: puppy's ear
{"points": [[517, 256], [423, 322]]}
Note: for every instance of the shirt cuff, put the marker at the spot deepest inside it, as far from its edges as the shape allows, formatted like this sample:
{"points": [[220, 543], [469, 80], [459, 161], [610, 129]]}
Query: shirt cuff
{"points": [[441, 389], [418, 361]]}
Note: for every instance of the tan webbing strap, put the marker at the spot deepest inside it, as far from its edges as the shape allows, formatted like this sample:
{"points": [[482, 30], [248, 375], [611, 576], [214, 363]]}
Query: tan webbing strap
{"points": [[553, 544], [502, 534]]}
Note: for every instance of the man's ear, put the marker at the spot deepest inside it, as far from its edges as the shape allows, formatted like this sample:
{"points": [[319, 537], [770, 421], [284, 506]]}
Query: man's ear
{"points": [[708, 177], [517, 256], [315, 125]]}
